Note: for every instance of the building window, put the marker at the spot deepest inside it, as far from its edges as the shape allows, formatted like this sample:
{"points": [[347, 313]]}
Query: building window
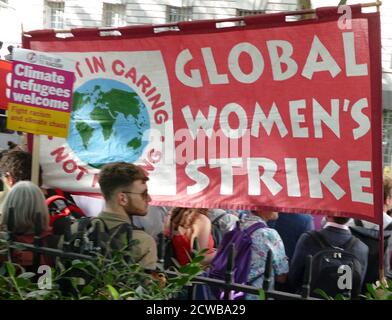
{"points": [[54, 14], [113, 15], [243, 13], [177, 14]]}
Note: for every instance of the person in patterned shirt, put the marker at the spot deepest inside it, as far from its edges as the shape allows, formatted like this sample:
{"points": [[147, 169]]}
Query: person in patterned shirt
{"points": [[263, 240]]}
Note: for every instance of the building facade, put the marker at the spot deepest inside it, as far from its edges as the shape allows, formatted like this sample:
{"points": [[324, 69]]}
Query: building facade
{"points": [[64, 14]]}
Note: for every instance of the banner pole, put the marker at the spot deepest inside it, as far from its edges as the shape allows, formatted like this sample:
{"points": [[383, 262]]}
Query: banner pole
{"points": [[381, 225], [35, 160], [381, 244]]}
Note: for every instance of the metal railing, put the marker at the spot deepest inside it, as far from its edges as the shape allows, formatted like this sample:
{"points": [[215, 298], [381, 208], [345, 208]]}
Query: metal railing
{"points": [[227, 285]]}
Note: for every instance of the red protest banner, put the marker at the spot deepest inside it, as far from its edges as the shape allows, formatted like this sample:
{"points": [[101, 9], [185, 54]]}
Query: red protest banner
{"points": [[273, 114], [5, 69]]}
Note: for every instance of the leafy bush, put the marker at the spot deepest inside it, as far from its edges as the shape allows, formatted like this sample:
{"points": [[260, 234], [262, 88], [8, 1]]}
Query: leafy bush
{"points": [[98, 279], [379, 291]]}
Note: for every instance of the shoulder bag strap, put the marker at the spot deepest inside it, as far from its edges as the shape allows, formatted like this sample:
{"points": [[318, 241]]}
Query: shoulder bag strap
{"points": [[350, 243], [254, 227], [319, 238], [218, 218]]}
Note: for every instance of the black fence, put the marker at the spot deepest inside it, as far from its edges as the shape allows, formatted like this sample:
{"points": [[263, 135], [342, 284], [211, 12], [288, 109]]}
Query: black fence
{"points": [[227, 285]]}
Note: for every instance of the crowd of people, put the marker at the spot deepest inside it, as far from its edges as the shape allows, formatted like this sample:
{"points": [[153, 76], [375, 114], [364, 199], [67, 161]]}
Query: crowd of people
{"points": [[289, 237]]}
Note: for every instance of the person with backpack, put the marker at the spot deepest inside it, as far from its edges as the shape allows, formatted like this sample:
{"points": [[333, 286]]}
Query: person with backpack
{"points": [[221, 222], [368, 233], [124, 188], [252, 240], [332, 249]]}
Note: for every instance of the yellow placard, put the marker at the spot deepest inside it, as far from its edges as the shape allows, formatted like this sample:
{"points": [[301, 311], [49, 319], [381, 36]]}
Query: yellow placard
{"points": [[38, 120]]}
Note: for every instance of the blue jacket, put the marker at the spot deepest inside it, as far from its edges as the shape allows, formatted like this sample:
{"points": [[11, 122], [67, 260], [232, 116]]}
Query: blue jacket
{"points": [[290, 227]]}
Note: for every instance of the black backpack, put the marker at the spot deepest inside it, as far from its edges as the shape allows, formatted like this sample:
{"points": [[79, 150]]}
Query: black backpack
{"points": [[325, 273], [91, 235], [169, 253], [370, 238]]}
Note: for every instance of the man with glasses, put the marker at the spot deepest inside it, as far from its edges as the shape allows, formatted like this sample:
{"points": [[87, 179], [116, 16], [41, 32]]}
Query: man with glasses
{"points": [[124, 188]]}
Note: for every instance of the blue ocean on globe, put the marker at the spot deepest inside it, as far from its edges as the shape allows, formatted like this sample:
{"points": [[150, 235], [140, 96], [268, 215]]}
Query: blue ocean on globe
{"points": [[108, 121]]}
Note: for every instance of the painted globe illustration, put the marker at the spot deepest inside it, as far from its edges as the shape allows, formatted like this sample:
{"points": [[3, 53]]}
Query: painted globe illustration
{"points": [[108, 121]]}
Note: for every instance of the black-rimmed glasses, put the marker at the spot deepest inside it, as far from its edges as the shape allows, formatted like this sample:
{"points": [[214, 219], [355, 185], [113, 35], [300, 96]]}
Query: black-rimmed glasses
{"points": [[144, 194]]}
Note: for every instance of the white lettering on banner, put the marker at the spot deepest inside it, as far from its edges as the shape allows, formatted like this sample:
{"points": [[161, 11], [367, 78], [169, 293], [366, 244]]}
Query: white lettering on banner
{"points": [[267, 122], [194, 80], [233, 108], [199, 121], [29, 72], [257, 62], [319, 59], [316, 177], [293, 187], [357, 182], [43, 90], [297, 119], [212, 72], [284, 58], [362, 120], [39, 101], [313, 64], [202, 180], [322, 116], [267, 177], [226, 165], [352, 68], [266, 87]]}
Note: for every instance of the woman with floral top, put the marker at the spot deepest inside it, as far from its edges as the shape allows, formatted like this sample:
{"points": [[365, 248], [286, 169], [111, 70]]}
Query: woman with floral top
{"points": [[263, 240]]}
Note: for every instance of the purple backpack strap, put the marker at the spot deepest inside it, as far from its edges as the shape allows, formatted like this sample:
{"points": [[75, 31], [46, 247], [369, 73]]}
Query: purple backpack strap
{"points": [[254, 227]]}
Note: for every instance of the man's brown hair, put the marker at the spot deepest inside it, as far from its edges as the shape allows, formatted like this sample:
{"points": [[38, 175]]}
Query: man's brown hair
{"points": [[116, 175]]}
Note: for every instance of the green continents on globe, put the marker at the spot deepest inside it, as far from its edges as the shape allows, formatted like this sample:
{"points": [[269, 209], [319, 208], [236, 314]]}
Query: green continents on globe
{"points": [[108, 122], [85, 131]]}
